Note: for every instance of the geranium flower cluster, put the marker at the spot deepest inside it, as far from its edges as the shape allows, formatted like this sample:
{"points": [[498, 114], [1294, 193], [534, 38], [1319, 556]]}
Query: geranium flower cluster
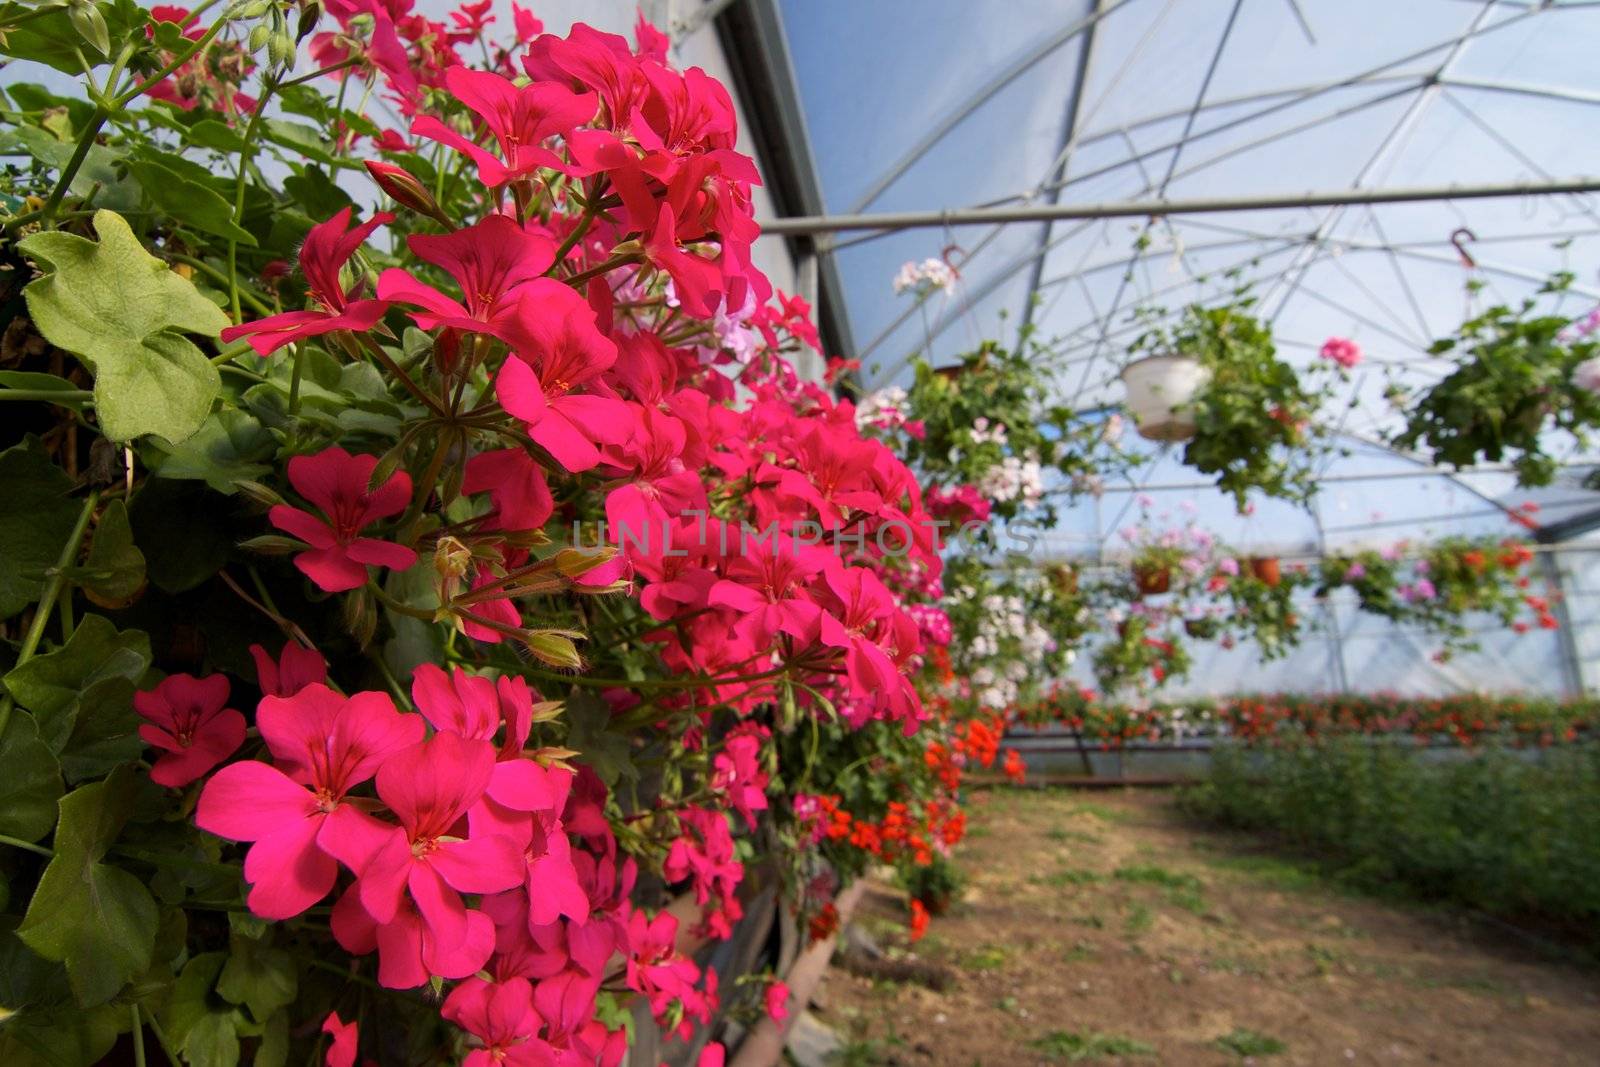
{"points": [[601, 406], [926, 276], [450, 850]]}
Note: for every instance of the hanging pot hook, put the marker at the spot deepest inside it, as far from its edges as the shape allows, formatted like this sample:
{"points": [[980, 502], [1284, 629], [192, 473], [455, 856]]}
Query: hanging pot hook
{"points": [[1460, 234], [948, 251]]}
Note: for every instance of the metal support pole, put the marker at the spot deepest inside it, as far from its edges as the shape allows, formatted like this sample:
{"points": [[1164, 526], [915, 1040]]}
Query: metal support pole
{"points": [[1571, 665], [910, 220]]}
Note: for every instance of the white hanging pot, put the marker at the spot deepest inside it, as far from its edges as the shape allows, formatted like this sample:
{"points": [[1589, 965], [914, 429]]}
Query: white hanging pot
{"points": [[1161, 390]]}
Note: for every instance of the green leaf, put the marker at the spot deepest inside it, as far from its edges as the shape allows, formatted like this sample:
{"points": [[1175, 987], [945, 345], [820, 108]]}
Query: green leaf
{"points": [[604, 750], [229, 448], [274, 1048], [209, 133], [98, 173], [115, 566], [313, 190], [260, 978], [105, 731], [97, 919], [34, 524], [54, 40], [122, 311], [53, 686], [190, 202], [213, 1041], [30, 781], [181, 530], [209, 1037], [302, 139]]}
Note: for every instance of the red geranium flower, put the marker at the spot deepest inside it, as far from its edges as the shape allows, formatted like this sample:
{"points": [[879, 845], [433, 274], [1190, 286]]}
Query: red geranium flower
{"points": [[336, 482], [186, 718]]}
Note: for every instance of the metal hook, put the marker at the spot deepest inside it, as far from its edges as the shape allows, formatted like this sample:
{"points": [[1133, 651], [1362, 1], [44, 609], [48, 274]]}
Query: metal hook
{"points": [[1461, 233], [950, 249]]}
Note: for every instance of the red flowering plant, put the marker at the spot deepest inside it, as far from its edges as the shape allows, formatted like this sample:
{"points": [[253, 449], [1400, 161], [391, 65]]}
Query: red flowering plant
{"points": [[401, 608]]}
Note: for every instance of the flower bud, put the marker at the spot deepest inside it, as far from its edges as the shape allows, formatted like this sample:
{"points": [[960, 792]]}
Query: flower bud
{"points": [[451, 558], [91, 25], [404, 189]]}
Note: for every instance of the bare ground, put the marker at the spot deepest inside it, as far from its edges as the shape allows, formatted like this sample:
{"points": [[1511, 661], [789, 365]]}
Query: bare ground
{"points": [[1108, 928]]}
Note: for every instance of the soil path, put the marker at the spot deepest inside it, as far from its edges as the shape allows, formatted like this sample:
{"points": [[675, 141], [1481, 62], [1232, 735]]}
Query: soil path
{"points": [[1108, 928]]}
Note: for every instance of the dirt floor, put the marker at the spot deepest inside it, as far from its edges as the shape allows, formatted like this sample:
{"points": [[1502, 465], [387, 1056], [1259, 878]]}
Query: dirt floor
{"points": [[1107, 927]]}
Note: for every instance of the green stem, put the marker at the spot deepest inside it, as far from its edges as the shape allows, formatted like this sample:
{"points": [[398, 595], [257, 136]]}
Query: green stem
{"points": [[396, 606], [161, 1035], [160, 76], [579, 279], [38, 850], [70, 171], [260, 306], [405, 379], [48, 396], [294, 380], [590, 210], [47, 601], [269, 86], [334, 68], [138, 1036]]}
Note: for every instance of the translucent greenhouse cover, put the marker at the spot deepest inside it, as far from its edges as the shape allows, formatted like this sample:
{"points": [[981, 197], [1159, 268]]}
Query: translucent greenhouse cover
{"points": [[963, 103]]}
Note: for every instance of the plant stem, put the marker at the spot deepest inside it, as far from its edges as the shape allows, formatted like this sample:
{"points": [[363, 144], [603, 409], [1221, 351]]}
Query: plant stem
{"points": [[607, 267], [48, 396], [161, 1035], [269, 85], [138, 1036], [343, 64], [405, 379], [70, 171], [47, 600], [38, 850]]}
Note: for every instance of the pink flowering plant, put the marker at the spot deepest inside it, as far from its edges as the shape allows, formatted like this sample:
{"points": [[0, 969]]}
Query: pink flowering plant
{"points": [[1522, 385], [429, 592]]}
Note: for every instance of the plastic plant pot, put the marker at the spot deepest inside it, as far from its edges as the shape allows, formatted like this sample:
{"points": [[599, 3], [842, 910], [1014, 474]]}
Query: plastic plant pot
{"points": [[1161, 392]]}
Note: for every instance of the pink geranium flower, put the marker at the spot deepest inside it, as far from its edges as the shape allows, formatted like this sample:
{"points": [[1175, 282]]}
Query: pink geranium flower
{"points": [[296, 812], [186, 719], [328, 247], [521, 120], [490, 260], [556, 349], [431, 786], [342, 1049], [736, 773], [777, 1001], [1342, 351], [295, 668], [336, 482]]}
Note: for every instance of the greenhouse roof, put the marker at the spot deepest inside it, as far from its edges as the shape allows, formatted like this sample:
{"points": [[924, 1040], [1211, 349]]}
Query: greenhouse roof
{"points": [[1029, 102]]}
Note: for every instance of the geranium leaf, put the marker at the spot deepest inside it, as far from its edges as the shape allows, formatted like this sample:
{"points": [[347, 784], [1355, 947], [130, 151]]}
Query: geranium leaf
{"points": [[34, 524], [123, 312], [604, 750], [262, 979], [53, 685], [115, 565], [189, 202], [227, 449], [30, 781], [97, 919]]}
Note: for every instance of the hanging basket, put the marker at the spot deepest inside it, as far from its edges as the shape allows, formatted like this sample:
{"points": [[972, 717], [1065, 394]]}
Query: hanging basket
{"points": [[1266, 569], [1152, 581], [1161, 392], [1202, 629]]}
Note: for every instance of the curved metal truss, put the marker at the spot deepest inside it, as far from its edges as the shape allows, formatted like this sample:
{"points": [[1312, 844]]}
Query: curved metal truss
{"points": [[1254, 101]]}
